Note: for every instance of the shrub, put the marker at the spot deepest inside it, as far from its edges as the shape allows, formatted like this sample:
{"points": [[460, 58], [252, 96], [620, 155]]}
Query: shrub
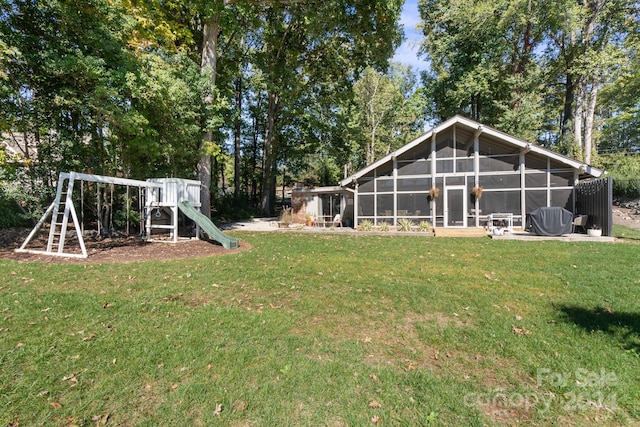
{"points": [[405, 224], [365, 225], [384, 226], [424, 226], [22, 202], [10, 214], [626, 187], [625, 171], [286, 217]]}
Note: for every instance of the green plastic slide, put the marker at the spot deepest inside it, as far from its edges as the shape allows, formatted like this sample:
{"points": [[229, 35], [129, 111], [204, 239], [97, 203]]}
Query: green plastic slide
{"points": [[208, 226]]}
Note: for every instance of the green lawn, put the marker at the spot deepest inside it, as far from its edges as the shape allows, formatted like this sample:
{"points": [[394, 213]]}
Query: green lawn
{"points": [[328, 330]]}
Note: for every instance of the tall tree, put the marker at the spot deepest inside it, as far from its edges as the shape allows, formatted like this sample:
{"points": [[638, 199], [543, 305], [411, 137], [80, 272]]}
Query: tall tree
{"points": [[530, 68], [389, 111], [307, 45], [482, 59], [586, 37]]}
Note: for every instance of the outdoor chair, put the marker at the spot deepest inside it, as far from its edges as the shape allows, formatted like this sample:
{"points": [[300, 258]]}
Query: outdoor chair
{"points": [[580, 221]]}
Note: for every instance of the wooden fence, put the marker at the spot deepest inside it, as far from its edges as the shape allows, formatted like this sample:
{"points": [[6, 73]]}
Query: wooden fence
{"points": [[594, 198]]}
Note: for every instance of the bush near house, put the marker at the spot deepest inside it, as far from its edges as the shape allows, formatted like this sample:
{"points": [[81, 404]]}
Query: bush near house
{"points": [[625, 170]]}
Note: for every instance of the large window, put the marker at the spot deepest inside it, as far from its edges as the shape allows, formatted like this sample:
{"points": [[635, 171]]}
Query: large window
{"points": [[365, 205], [414, 184], [413, 204], [464, 165], [384, 185], [366, 186], [500, 181], [561, 179], [499, 164], [384, 204], [562, 198], [444, 148], [418, 167], [444, 166], [385, 196], [535, 199], [535, 179], [500, 202]]}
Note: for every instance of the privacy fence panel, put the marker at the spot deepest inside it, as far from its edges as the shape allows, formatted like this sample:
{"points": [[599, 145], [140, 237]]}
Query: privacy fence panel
{"points": [[594, 198]]}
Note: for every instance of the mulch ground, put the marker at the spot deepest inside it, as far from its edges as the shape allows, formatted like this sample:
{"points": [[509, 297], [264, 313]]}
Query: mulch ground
{"points": [[112, 250]]}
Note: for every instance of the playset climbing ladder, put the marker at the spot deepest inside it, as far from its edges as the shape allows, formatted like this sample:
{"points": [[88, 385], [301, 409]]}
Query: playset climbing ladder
{"points": [[162, 195]]}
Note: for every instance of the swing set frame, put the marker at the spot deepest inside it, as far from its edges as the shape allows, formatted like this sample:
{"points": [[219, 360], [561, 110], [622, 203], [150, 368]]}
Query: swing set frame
{"points": [[159, 193]]}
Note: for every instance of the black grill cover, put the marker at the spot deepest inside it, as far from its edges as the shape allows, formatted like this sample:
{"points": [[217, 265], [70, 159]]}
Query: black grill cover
{"points": [[553, 221]]}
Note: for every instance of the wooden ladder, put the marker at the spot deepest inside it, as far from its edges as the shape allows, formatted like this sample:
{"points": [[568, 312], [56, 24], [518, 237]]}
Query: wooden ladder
{"points": [[60, 210], [63, 211]]}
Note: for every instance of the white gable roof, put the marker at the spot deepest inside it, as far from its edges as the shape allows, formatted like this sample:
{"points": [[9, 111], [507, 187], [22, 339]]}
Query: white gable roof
{"points": [[473, 125]]}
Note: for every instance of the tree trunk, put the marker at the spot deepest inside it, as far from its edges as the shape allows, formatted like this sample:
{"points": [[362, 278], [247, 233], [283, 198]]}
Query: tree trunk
{"points": [[588, 122], [567, 113], [208, 65], [254, 166], [578, 117], [236, 138], [268, 178]]}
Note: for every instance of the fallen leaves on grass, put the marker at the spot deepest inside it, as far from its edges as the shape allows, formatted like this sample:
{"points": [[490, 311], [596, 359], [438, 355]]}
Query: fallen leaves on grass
{"points": [[218, 409], [56, 405], [71, 378], [520, 331], [376, 419], [89, 337], [375, 404], [101, 420], [240, 405]]}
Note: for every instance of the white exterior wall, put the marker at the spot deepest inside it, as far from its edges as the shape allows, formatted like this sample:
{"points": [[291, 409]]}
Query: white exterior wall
{"points": [[175, 190]]}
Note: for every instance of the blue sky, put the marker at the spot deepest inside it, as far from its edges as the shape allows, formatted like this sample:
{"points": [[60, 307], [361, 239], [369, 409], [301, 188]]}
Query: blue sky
{"points": [[407, 53]]}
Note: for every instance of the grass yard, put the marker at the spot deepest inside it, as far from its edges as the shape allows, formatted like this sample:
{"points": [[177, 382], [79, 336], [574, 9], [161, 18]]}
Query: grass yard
{"points": [[328, 330]]}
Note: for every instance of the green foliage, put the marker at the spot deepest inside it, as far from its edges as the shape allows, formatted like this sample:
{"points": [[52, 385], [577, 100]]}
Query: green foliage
{"points": [[531, 68], [10, 214], [384, 226], [162, 135], [21, 199], [482, 59], [620, 105], [628, 187], [625, 171], [425, 226], [405, 224], [388, 112], [228, 207], [365, 225]]}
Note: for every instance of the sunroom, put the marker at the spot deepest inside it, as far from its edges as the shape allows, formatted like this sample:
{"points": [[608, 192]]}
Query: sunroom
{"points": [[464, 174]]}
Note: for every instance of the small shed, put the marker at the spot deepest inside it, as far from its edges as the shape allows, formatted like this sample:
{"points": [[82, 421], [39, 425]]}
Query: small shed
{"points": [[322, 203], [462, 174]]}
